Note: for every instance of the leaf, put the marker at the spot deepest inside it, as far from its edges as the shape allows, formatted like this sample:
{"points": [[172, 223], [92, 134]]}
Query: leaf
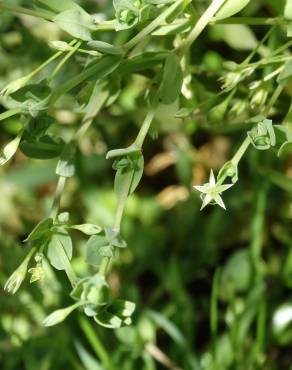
{"points": [[230, 8], [76, 22], [286, 73], [62, 239], [9, 150], [129, 175], [42, 229], [97, 247], [65, 166], [237, 273], [59, 315], [60, 5], [172, 79], [88, 229], [104, 47], [285, 149], [122, 308], [108, 320], [44, 147], [114, 238], [288, 15], [232, 33]]}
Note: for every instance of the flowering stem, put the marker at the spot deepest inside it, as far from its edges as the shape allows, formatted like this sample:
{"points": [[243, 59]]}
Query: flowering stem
{"points": [[144, 129], [19, 9], [153, 25], [200, 25], [58, 195]]}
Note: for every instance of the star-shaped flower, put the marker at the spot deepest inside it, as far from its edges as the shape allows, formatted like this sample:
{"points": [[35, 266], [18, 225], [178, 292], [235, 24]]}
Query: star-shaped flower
{"points": [[211, 192]]}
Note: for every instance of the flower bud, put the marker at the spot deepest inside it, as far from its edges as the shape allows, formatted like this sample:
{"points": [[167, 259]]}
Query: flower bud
{"points": [[13, 283]]}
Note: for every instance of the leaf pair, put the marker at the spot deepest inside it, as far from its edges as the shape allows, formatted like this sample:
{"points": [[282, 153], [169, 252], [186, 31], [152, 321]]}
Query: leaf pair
{"points": [[103, 245]]}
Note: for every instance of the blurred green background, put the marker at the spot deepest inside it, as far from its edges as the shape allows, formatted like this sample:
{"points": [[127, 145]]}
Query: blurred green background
{"points": [[213, 288]]}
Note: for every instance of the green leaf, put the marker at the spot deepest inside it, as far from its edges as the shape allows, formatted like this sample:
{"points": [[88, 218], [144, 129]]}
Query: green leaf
{"points": [[44, 147], [108, 320], [285, 149], [288, 15], [60, 239], [9, 150], [122, 308], [60, 5], [133, 148], [41, 230], [114, 238], [63, 218], [230, 8], [76, 22], [88, 229], [129, 173], [65, 166], [286, 73], [97, 247], [237, 273], [172, 79], [104, 47]]}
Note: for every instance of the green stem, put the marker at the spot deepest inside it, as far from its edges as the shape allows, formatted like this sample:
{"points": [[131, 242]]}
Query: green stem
{"points": [[10, 113], [105, 263], [240, 152], [19, 9], [200, 25], [64, 60], [95, 342], [253, 21], [97, 100], [57, 197], [144, 129], [153, 25]]}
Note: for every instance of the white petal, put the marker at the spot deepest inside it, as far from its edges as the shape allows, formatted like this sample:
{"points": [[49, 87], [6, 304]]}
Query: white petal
{"points": [[219, 201], [212, 180], [224, 187], [207, 199], [203, 189]]}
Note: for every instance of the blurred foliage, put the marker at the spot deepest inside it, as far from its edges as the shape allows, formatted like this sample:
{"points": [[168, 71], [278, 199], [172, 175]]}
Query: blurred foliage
{"points": [[212, 288]]}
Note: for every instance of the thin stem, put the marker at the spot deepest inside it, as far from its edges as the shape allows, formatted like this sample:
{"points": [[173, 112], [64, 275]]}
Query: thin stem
{"points": [[153, 25], [95, 104], [19, 9], [95, 342], [10, 113], [240, 152], [58, 195], [144, 129], [64, 60], [253, 21], [200, 25], [274, 98]]}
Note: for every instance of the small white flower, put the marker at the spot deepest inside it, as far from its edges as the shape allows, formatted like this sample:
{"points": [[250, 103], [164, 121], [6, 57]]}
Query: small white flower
{"points": [[211, 192]]}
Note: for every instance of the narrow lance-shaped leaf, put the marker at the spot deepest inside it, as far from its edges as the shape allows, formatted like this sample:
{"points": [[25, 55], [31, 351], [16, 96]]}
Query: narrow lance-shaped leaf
{"points": [[230, 8], [288, 15], [172, 80], [9, 150], [60, 5], [104, 47]]}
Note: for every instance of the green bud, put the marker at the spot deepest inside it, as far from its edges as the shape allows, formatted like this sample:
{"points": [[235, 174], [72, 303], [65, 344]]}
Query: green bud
{"points": [[59, 315], [15, 280]]}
